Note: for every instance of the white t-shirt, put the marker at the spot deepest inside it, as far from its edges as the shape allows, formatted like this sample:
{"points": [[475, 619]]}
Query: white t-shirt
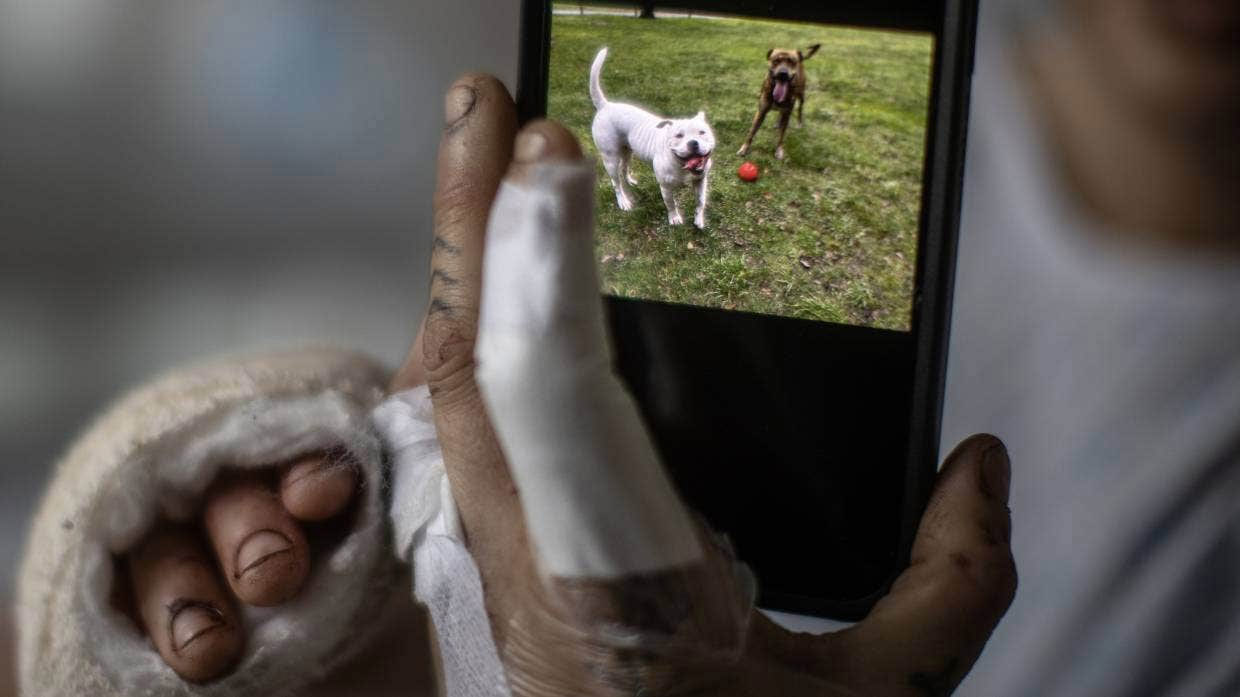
{"points": [[1113, 376]]}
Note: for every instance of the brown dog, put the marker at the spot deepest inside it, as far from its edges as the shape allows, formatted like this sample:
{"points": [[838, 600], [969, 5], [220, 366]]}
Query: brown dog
{"points": [[783, 87]]}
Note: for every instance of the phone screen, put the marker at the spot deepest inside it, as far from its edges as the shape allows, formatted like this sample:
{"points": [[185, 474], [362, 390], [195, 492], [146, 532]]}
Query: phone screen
{"points": [[777, 200], [818, 219]]}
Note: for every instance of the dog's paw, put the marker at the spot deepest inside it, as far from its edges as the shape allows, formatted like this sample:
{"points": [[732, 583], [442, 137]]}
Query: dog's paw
{"points": [[631, 179], [779, 153], [625, 203], [743, 151], [675, 219], [699, 220]]}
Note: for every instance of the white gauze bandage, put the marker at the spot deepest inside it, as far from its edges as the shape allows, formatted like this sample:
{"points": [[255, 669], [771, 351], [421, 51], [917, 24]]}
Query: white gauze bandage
{"points": [[597, 501], [427, 533]]}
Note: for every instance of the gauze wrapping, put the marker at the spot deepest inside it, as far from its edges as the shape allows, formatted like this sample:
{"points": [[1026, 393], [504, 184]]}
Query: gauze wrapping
{"points": [[428, 534], [597, 501], [155, 452]]}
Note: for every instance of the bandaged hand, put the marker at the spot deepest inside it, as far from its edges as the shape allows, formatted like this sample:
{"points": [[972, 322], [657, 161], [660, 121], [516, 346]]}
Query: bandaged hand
{"points": [[220, 531], [597, 580]]}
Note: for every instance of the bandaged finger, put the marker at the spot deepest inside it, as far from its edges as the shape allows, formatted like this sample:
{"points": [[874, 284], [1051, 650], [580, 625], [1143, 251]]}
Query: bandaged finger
{"points": [[597, 501]]}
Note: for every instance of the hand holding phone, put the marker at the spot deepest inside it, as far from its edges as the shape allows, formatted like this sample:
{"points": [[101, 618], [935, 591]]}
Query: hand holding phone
{"points": [[921, 638]]}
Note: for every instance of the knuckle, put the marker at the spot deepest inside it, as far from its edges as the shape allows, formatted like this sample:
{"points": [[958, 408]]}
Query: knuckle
{"points": [[986, 576], [459, 201], [643, 635], [448, 353]]}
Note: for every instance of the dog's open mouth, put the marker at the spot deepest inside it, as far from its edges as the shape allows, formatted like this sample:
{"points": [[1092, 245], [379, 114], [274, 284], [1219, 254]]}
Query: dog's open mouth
{"points": [[779, 92], [695, 163]]}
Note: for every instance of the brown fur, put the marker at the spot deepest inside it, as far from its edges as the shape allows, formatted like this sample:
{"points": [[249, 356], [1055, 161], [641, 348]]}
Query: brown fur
{"points": [[789, 63]]}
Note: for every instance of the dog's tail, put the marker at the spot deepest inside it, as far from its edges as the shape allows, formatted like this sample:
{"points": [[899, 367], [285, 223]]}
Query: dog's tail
{"points": [[596, 70]]}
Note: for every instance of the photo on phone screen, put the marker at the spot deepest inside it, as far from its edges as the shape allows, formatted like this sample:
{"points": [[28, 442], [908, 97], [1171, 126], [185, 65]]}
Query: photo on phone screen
{"points": [[823, 226]]}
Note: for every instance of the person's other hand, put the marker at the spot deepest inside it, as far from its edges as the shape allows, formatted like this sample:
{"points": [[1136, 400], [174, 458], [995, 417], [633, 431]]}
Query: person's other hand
{"points": [[251, 544], [919, 640]]}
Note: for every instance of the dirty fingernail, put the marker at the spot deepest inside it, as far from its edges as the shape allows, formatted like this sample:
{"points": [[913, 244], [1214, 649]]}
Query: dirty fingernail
{"points": [[458, 103], [529, 147], [996, 472], [318, 488], [191, 620], [259, 548]]}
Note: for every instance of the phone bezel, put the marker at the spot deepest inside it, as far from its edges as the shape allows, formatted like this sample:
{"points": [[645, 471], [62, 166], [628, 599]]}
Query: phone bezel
{"points": [[953, 25]]}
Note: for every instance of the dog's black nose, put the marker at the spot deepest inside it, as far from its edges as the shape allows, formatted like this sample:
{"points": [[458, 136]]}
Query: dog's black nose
{"points": [[693, 146]]}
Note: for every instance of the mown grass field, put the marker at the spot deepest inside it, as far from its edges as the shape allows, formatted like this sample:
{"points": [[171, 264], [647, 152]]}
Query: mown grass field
{"points": [[830, 232]]}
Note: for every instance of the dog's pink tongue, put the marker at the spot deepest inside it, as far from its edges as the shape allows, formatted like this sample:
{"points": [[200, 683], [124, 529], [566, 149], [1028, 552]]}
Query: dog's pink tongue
{"points": [[694, 162], [780, 91]]}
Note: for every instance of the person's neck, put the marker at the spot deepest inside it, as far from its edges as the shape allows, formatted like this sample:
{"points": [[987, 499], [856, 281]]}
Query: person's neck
{"points": [[1155, 182]]}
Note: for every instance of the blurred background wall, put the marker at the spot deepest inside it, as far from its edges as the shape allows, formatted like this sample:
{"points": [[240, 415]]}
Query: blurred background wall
{"points": [[180, 179]]}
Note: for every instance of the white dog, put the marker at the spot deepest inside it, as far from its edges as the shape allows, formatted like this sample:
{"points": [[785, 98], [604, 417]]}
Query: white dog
{"points": [[678, 149]]}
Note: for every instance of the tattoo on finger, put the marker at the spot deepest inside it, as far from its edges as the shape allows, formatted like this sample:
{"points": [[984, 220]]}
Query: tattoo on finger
{"points": [[443, 245], [441, 276], [437, 306]]}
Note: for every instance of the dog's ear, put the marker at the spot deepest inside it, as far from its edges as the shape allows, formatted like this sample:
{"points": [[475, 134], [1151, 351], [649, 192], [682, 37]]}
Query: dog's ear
{"points": [[663, 123], [809, 52], [769, 51], [701, 116]]}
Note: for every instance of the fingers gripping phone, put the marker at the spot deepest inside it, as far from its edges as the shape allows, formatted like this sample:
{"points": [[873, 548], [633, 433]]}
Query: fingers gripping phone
{"points": [[777, 206]]}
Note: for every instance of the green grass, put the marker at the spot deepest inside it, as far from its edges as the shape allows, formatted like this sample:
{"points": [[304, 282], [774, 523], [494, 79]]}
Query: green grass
{"points": [[829, 233]]}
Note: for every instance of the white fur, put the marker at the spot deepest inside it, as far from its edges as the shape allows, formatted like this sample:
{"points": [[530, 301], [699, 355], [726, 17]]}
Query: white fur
{"points": [[621, 130]]}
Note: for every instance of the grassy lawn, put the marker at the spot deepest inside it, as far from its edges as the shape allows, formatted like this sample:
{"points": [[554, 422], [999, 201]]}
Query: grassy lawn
{"points": [[830, 232]]}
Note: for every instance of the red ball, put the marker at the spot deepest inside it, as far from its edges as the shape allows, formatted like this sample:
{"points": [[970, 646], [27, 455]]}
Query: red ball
{"points": [[747, 171]]}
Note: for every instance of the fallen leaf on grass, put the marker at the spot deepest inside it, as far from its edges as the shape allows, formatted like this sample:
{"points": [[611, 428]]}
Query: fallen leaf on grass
{"points": [[806, 262]]}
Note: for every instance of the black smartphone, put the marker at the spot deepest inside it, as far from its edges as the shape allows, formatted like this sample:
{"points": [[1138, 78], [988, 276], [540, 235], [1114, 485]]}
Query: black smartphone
{"points": [[777, 207]]}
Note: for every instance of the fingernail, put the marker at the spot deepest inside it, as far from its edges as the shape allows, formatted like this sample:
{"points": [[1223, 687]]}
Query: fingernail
{"points": [[458, 103], [529, 147], [318, 489], [191, 619], [312, 469], [996, 472], [258, 548]]}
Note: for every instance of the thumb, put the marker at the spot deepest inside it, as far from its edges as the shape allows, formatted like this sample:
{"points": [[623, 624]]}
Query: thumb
{"points": [[925, 635]]}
